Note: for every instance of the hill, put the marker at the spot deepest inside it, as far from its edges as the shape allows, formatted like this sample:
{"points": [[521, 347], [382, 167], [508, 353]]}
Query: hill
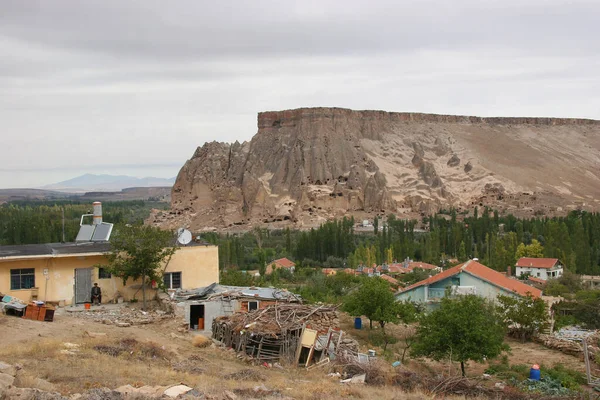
{"points": [[93, 182], [308, 165]]}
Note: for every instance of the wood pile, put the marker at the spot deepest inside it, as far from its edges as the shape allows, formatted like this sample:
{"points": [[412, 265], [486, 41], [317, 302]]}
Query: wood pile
{"points": [[273, 333], [275, 319]]}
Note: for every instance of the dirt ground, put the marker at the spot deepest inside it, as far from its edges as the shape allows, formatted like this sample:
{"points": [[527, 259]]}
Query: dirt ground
{"points": [[165, 356]]}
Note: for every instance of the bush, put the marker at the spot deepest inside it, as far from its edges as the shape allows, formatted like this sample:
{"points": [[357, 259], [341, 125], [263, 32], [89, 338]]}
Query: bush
{"points": [[567, 377]]}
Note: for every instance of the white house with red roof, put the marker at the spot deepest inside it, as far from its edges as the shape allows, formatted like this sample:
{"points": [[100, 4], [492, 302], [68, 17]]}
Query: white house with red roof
{"points": [[542, 268], [470, 277], [284, 263]]}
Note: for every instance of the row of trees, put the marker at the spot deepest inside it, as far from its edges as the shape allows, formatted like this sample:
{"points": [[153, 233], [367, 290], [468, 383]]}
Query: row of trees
{"points": [[497, 241], [28, 222]]}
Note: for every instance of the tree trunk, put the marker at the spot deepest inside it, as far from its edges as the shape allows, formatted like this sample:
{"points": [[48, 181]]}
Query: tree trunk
{"points": [[370, 323], [462, 367], [144, 293]]}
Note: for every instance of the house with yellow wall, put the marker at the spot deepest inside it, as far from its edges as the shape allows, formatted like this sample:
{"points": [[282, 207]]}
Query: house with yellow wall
{"points": [[64, 273]]}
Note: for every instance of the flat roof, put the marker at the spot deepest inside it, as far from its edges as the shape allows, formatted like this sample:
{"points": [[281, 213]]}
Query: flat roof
{"points": [[52, 249], [62, 249]]}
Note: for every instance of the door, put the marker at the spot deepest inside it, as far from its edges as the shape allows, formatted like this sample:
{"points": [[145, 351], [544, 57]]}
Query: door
{"points": [[83, 285], [197, 316]]}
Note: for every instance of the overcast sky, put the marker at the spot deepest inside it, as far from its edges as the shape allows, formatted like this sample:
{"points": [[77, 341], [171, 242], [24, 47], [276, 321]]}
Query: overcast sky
{"points": [[133, 87]]}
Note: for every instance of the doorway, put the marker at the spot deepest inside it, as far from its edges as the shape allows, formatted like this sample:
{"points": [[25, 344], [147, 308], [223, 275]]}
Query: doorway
{"points": [[83, 285], [197, 316]]}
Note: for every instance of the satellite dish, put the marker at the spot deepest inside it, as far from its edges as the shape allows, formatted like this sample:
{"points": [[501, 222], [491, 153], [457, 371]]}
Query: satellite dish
{"points": [[184, 236]]}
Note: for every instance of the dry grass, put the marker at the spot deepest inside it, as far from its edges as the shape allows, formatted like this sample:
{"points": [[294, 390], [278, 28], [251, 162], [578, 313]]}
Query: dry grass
{"points": [[201, 341]]}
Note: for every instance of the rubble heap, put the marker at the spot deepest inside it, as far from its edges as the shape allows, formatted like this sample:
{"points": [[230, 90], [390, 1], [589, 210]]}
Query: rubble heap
{"points": [[124, 316], [570, 341]]}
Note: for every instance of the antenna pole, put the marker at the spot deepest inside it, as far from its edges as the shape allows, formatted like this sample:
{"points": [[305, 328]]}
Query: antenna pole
{"points": [[63, 225]]}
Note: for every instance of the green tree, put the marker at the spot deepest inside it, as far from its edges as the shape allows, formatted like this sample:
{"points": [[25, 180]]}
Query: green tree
{"points": [[375, 300], [463, 328], [535, 250], [140, 252], [462, 252], [525, 316]]}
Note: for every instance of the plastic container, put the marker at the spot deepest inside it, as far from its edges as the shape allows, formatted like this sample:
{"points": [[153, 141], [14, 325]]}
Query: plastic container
{"points": [[535, 373], [87, 306], [357, 323]]}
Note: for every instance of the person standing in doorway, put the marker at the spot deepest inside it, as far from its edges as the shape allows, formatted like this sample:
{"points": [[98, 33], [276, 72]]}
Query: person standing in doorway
{"points": [[96, 294]]}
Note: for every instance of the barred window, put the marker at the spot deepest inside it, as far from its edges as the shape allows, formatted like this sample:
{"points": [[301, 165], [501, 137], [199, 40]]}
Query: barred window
{"points": [[22, 278], [172, 280], [104, 274]]}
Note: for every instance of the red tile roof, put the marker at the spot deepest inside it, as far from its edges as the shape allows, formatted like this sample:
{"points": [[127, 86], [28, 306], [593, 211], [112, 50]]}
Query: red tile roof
{"points": [[528, 262], [389, 279], [484, 273], [284, 263], [422, 265], [536, 280]]}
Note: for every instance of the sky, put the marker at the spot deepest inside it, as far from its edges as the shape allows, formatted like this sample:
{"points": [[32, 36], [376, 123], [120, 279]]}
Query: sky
{"points": [[134, 86]]}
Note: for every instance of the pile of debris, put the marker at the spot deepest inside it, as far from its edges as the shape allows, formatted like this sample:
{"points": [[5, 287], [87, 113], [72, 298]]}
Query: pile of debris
{"points": [[123, 316], [277, 333], [570, 341], [11, 305]]}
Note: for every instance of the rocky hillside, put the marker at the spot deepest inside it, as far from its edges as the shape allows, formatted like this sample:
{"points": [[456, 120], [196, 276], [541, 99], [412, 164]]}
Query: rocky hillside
{"points": [[307, 165]]}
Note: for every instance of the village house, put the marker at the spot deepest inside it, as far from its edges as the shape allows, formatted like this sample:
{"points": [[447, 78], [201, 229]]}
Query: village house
{"points": [[280, 263], [63, 273], [202, 305], [590, 282], [470, 277], [542, 268]]}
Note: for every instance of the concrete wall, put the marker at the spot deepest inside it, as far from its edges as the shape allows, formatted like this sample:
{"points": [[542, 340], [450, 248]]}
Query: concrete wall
{"points": [[199, 266]]}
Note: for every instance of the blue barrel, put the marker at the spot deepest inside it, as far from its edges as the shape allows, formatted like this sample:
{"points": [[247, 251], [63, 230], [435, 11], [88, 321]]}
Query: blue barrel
{"points": [[357, 323], [534, 374]]}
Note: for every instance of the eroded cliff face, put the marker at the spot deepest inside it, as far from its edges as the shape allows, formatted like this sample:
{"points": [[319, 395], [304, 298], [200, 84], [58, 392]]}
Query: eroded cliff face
{"points": [[305, 166]]}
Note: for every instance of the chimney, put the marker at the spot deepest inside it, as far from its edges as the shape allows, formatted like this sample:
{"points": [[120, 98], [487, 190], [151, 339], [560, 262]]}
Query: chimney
{"points": [[508, 271], [97, 215]]}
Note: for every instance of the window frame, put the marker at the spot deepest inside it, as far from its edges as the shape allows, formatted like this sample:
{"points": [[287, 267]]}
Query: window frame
{"points": [[20, 275], [103, 274], [257, 305], [170, 280]]}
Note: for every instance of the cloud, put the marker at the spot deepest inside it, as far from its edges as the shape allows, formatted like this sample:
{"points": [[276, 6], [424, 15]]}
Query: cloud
{"points": [[145, 82]]}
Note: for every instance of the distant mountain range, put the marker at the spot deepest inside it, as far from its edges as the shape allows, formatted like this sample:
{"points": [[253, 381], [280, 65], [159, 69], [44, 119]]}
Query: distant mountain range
{"points": [[104, 183]]}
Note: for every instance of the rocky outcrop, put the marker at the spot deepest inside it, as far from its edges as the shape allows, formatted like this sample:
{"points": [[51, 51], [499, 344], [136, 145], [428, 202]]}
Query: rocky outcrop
{"points": [[308, 165]]}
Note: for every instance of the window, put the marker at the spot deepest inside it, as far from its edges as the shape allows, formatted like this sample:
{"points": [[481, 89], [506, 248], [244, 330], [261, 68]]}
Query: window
{"points": [[172, 280], [103, 274], [252, 305], [538, 274], [22, 278]]}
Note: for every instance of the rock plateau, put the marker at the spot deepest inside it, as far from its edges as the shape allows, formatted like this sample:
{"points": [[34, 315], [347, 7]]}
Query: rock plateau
{"points": [[308, 165]]}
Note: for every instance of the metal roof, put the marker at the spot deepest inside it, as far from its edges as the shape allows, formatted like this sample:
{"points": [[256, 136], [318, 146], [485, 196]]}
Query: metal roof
{"points": [[216, 289]]}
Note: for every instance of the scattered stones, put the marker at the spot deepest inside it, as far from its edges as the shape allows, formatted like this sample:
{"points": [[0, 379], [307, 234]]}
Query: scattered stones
{"points": [[178, 390], [123, 315], [7, 369], [6, 380]]}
